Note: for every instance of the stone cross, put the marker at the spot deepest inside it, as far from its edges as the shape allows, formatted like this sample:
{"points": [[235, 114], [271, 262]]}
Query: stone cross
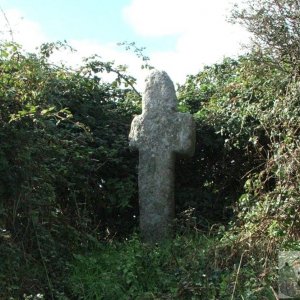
{"points": [[158, 133]]}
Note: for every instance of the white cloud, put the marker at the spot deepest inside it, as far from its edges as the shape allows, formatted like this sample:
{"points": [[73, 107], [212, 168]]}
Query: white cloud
{"points": [[203, 35], [154, 17], [21, 30], [167, 17]]}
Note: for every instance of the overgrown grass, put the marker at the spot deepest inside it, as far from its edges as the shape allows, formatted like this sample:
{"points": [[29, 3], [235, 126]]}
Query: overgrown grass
{"points": [[194, 266]]}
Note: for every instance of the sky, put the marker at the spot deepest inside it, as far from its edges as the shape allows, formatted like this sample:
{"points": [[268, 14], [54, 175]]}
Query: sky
{"points": [[180, 36]]}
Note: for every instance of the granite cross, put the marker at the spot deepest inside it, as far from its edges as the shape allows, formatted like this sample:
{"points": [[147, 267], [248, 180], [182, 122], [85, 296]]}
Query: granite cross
{"points": [[158, 133]]}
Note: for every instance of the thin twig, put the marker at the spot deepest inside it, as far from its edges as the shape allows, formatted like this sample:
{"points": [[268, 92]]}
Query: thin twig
{"points": [[43, 261], [237, 274], [8, 24], [275, 295]]}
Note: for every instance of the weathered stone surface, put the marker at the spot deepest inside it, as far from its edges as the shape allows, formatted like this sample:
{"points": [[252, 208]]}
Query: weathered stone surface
{"points": [[159, 133]]}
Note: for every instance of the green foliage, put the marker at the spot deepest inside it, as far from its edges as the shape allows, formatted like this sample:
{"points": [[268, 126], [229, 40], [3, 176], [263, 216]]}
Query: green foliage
{"points": [[250, 106], [270, 204], [212, 180], [274, 25], [131, 270], [66, 174], [189, 267], [250, 114]]}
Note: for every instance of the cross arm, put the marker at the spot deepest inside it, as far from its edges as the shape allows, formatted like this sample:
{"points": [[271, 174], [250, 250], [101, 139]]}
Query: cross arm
{"points": [[186, 134], [135, 130]]}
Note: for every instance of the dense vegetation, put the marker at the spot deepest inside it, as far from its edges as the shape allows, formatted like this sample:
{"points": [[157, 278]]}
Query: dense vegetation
{"points": [[68, 182]]}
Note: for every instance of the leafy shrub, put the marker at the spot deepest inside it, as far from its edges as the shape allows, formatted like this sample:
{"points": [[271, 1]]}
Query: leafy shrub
{"points": [[67, 176]]}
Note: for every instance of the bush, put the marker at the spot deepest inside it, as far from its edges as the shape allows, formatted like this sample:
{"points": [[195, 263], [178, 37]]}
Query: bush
{"points": [[67, 175]]}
